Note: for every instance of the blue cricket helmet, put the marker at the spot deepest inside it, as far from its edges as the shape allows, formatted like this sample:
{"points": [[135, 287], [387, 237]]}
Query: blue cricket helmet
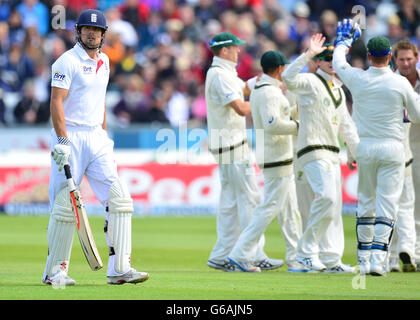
{"points": [[92, 18]]}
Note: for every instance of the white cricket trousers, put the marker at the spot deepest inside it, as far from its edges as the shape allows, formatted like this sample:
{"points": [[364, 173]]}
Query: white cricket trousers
{"points": [[91, 155], [239, 195], [404, 236], [415, 149], [279, 201], [320, 203], [381, 168]]}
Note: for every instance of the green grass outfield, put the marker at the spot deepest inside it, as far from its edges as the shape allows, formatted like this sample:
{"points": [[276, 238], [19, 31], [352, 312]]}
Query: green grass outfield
{"points": [[174, 250]]}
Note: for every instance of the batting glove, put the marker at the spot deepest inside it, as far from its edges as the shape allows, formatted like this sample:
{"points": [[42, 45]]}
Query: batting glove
{"points": [[61, 152], [347, 32]]}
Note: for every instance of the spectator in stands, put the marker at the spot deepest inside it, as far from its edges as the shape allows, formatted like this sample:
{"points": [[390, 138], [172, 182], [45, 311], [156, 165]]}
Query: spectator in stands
{"points": [[17, 69], [29, 110], [122, 28], [33, 43], [192, 28], [4, 43], [135, 12], [409, 16], [206, 11], [16, 31], [395, 31], [300, 26], [177, 109], [35, 13], [328, 25], [4, 10], [281, 37], [2, 109], [131, 104]]}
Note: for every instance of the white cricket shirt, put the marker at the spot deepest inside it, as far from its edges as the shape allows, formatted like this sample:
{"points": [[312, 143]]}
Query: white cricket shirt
{"points": [[226, 127], [87, 80], [379, 96]]}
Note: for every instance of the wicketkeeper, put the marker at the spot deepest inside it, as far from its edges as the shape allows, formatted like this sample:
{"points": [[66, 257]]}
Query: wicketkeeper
{"points": [[379, 98]]}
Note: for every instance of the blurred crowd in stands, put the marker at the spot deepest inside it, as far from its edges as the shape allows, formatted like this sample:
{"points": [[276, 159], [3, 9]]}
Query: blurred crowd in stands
{"points": [[158, 48]]}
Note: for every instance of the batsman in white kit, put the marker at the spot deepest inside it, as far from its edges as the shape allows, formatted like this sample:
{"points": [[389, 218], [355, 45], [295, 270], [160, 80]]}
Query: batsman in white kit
{"points": [[79, 140], [379, 99]]}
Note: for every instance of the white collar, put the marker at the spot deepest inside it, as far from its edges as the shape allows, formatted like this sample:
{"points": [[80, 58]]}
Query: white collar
{"points": [[329, 78], [265, 78], [82, 52], [227, 64]]}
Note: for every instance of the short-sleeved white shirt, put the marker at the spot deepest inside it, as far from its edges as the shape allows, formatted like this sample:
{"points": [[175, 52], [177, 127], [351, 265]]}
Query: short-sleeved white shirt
{"points": [[87, 80]]}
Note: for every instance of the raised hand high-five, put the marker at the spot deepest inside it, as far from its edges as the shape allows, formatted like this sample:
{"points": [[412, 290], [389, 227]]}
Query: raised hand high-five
{"points": [[316, 45]]}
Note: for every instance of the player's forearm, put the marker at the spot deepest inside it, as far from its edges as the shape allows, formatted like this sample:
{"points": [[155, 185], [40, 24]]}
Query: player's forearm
{"points": [[340, 64], [282, 127], [413, 106], [57, 117], [104, 122], [243, 108], [291, 75], [348, 131]]}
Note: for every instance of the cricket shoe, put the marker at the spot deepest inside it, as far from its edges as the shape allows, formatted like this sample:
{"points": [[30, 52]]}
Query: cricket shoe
{"points": [[364, 267], [224, 266], [394, 265], [408, 264], [341, 268], [60, 279], [244, 266], [269, 264], [377, 269], [132, 276], [312, 263], [297, 267]]}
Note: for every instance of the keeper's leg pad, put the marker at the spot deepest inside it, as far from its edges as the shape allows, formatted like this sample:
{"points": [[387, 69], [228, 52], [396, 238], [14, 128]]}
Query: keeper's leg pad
{"points": [[364, 231], [383, 233], [60, 234], [121, 208]]}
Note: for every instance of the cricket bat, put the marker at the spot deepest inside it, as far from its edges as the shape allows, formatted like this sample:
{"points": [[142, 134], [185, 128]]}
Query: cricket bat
{"points": [[83, 228]]}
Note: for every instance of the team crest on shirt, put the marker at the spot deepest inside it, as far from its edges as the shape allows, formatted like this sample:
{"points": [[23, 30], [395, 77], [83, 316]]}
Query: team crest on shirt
{"points": [[58, 76], [326, 102], [285, 111], [87, 69]]}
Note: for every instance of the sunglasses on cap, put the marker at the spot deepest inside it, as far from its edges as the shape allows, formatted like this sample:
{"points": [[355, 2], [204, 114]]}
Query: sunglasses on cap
{"points": [[328, 58]]}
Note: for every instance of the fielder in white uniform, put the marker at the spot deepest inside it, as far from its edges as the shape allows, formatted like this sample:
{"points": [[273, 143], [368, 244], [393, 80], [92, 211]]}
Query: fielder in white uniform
{"points": [[406, 57], [79, 138], [226, 111], [271, 114], [323, 116], [379, 97]]}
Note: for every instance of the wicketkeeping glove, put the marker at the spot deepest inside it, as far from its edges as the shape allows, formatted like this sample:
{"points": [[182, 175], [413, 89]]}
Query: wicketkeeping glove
{"points": [[347, 32], [61, 152]]}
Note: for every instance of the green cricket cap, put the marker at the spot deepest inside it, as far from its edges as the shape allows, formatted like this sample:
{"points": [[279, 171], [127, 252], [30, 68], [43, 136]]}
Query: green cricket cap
{"points": [[225, 39], [273, 59], [379, 46], [327, 52]]}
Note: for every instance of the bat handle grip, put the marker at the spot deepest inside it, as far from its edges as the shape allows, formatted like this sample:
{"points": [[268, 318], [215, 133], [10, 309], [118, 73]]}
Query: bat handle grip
{"points": [[67, 171], [70, 181]]}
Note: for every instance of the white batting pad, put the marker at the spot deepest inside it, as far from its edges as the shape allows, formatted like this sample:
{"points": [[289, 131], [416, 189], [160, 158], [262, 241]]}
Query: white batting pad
{"points": [[119, 225], [60, 234]]}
